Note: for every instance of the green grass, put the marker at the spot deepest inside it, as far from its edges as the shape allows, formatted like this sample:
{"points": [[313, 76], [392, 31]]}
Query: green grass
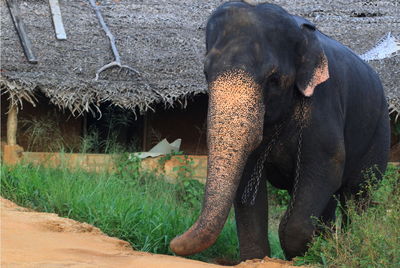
{"points": [[148, 212], [137, 207], [371, 239]]}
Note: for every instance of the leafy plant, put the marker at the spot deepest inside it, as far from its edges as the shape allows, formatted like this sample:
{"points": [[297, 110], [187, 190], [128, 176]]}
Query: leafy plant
{"points": [[164, 158], [278, 196], [185, 169], [128, 165], [189, 192]]}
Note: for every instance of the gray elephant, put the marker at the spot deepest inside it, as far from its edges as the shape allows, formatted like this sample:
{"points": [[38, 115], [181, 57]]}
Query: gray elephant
{"points": [[290, 105]]}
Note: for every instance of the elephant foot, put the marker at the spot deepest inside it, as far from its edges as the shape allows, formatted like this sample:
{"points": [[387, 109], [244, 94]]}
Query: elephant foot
{"points": [[294, 237]]}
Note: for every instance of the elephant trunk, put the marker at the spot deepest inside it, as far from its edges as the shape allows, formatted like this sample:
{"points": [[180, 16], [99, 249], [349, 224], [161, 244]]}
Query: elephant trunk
{"points": [[235, 123]]}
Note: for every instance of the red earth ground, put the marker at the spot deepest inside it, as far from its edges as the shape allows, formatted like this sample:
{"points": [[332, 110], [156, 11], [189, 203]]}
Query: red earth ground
{"points": [[33, 239]]}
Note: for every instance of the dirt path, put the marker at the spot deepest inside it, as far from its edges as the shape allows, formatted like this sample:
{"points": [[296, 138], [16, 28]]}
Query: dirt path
{"points": [[32, 239]]}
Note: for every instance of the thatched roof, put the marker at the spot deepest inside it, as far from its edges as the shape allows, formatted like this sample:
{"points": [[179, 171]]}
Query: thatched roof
{"points": [[164, 41]]}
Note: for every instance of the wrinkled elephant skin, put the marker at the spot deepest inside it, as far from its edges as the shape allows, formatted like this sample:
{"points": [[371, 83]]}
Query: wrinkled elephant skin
{"points": [[235, 120], [261, 63]]}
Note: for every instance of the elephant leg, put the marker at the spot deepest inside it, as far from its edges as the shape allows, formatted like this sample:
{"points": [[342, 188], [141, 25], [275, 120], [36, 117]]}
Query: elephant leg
{"points": [[328, 216], [252, 220], [369, 169], [311, 200], [252, 226]]}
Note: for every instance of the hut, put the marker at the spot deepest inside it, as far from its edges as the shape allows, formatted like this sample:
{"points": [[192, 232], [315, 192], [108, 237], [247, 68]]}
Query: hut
{"points": [[164, 42]]}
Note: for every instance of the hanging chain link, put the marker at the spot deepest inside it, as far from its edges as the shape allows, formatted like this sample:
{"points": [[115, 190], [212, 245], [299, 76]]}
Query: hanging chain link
{"points": [[254, 182], [298, 169], [297, 172]]}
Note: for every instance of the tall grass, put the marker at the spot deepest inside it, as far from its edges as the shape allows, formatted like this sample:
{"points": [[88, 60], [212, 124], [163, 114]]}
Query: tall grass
{"points": [[42, 133], [148, 212], [136, 206], [145, 210]]}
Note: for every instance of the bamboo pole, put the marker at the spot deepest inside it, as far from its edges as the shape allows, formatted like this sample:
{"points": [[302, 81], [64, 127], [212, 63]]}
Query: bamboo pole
{"points": [[12, 125]]}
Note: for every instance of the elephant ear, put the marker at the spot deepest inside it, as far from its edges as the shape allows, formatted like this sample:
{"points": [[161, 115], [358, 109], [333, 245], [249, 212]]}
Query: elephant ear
{"points": [[312, 63]]}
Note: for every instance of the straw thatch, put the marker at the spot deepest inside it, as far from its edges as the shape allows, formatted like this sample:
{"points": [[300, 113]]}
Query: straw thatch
{"points": [[164, 41]]}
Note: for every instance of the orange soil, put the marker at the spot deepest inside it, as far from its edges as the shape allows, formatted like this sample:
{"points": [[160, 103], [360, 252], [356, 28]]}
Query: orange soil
{"points": [[33, 239]]}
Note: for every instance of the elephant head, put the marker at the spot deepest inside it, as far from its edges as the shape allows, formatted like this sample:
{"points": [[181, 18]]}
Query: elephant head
{"points": [[258, 59]]}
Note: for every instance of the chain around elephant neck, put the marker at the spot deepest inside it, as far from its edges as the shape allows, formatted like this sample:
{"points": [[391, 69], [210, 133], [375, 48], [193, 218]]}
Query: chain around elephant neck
{"points": [[254, 182]]}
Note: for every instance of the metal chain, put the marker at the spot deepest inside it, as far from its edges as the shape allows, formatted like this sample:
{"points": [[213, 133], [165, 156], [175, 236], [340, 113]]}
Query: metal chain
{"points": [[297, 172], [254, 182], [298, 168]]}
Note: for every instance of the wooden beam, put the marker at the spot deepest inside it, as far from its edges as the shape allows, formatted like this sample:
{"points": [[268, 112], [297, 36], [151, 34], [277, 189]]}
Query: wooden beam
{"points": [[21, 30], [57, 20], [12, 123]]}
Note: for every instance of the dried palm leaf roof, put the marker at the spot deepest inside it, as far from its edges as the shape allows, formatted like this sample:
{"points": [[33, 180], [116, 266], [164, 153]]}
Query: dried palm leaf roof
{"points": [[164, 41]]}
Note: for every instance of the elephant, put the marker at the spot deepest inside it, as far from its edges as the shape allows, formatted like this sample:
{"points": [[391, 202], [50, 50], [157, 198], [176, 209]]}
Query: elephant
{"points": [[274, 76]]}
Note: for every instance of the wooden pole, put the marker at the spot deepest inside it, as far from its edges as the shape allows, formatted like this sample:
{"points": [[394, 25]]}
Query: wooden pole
{"points": [[12, 125]]}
